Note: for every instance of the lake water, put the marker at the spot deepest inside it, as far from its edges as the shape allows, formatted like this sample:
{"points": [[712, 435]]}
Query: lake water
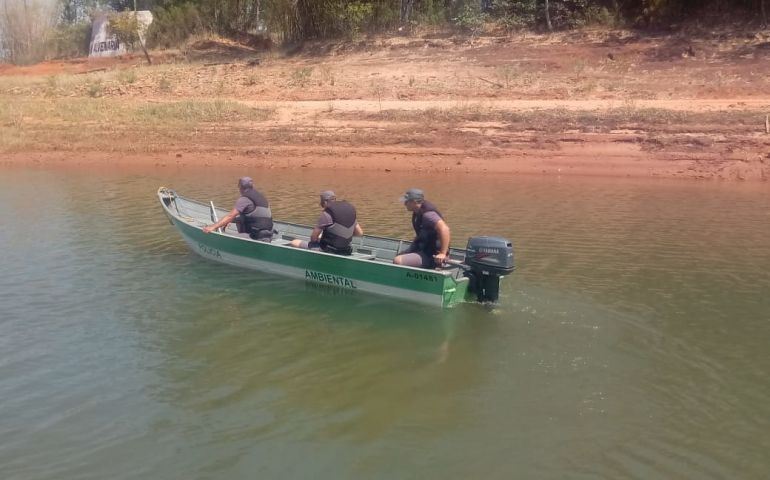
{"points": [[633, 341]]}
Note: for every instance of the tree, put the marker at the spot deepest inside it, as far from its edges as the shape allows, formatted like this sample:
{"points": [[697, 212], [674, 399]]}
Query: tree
{"points": [[122, 5], [74, 11], [406, 10], [24, 28]]}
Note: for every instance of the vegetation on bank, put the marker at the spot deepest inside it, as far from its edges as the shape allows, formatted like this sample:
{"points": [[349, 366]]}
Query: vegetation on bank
{"points": [[16, 112], [73, 123], [93, 124], [77, 111], [32, 30], [626, 117]]}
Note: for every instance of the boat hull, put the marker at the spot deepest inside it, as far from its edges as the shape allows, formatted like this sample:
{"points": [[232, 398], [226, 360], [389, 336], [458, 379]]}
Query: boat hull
{"points": [[404, 283]]}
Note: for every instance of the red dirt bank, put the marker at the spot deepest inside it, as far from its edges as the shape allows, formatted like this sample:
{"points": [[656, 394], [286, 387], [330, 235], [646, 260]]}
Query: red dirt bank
{"points": [[439, 105]]}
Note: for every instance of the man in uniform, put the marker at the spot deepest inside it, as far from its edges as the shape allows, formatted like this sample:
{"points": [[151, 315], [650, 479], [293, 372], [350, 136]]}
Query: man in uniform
{"points": [[335, 228], [251, 213], [430, 246]]}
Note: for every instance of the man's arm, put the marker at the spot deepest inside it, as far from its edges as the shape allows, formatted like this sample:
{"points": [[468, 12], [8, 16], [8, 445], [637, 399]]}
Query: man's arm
{"points": [[222, 223], [443, 234], [358, 231], [324, 220]]}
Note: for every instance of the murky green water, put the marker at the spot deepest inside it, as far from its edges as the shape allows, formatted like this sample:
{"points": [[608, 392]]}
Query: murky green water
{"points": [[632, 342]]}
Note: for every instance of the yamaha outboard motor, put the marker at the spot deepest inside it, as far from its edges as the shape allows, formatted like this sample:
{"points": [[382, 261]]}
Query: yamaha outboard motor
{"points": [[489, 259]]}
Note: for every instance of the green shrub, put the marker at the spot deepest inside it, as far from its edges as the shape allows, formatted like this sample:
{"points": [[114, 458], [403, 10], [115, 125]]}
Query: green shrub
{"points": [[596, 15], [125, 26], [569, 13], [506, 74], [164, 85], [431, 12], [301, 76], [384, 16], [515, 14], [355, 17], [67, 41], [127, 77], [95, 88], [51, 86], [172, 26], [470, 19]]}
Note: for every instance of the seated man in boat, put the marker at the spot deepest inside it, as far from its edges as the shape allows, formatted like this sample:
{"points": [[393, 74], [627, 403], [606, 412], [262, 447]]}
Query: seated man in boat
{"points": [[251, 213], [335, 228], [430, 246]]}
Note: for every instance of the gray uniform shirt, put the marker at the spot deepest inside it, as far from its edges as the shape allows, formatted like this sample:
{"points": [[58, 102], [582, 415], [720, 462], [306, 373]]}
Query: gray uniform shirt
{"points": [[430, 219], [325, 220], [242, 204]]}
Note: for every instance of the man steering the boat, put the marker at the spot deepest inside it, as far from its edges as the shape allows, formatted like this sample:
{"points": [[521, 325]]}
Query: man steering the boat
{"points": [[335, 228], [251, 213], [430, 246]]}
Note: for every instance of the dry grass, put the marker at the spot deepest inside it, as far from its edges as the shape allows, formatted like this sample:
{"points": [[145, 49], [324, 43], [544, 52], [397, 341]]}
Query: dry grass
{"points": [[191, 111], [82, 110], [559, 119], [69, 122], [113, 82]]}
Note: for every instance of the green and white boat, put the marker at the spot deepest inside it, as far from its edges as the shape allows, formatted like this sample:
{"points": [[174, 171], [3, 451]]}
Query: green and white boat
{"points": [[470, 275]]}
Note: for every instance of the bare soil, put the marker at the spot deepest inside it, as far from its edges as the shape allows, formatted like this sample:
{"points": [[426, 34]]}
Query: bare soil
{"points": [[613, 103]]}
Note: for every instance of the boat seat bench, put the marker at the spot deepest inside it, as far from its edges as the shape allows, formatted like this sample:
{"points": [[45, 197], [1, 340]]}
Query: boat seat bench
{"points": [[363, 256]]}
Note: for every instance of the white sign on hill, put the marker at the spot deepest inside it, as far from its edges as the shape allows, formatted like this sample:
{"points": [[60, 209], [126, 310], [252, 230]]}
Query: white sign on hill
{"points": [[104, 44]]}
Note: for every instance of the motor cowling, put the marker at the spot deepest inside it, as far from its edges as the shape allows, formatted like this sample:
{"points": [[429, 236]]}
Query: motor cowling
{"points": [[488, 259]]}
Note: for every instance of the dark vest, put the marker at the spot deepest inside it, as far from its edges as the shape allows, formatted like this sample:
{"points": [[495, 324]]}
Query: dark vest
{"points": [[337, 236], [258, 217], [426, 238]]}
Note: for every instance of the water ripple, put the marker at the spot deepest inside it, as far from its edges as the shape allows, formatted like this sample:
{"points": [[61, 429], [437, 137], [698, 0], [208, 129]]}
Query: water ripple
{"points": [[630, 343]]}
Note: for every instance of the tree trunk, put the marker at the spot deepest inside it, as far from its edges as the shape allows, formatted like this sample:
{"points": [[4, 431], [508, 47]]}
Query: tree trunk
{"points": [[764, 12], [28, 21], [7, 36], [139, 36], [406, 10], [548, 17], [146, 55]]}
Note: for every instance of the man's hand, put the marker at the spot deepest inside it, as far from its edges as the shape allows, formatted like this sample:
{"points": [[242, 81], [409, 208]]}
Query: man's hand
{"points": [[223, 223], [443, 234]]}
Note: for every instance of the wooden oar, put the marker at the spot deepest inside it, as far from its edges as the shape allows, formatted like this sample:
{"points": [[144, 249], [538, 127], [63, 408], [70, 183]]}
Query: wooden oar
{"points": [[214, 215]]}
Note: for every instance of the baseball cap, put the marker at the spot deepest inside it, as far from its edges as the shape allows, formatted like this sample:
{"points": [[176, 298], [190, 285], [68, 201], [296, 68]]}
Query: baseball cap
{"points": [[413, 194], [327, 195], [245, 182]]}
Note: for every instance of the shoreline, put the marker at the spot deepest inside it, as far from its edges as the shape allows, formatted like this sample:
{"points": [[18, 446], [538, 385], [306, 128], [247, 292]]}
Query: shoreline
{"points": [[594, 106], [586, 165], [648, 142]]}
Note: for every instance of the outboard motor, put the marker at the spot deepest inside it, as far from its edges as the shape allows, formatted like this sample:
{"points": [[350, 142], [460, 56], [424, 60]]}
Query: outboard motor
{"points": [[488, 259]]}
